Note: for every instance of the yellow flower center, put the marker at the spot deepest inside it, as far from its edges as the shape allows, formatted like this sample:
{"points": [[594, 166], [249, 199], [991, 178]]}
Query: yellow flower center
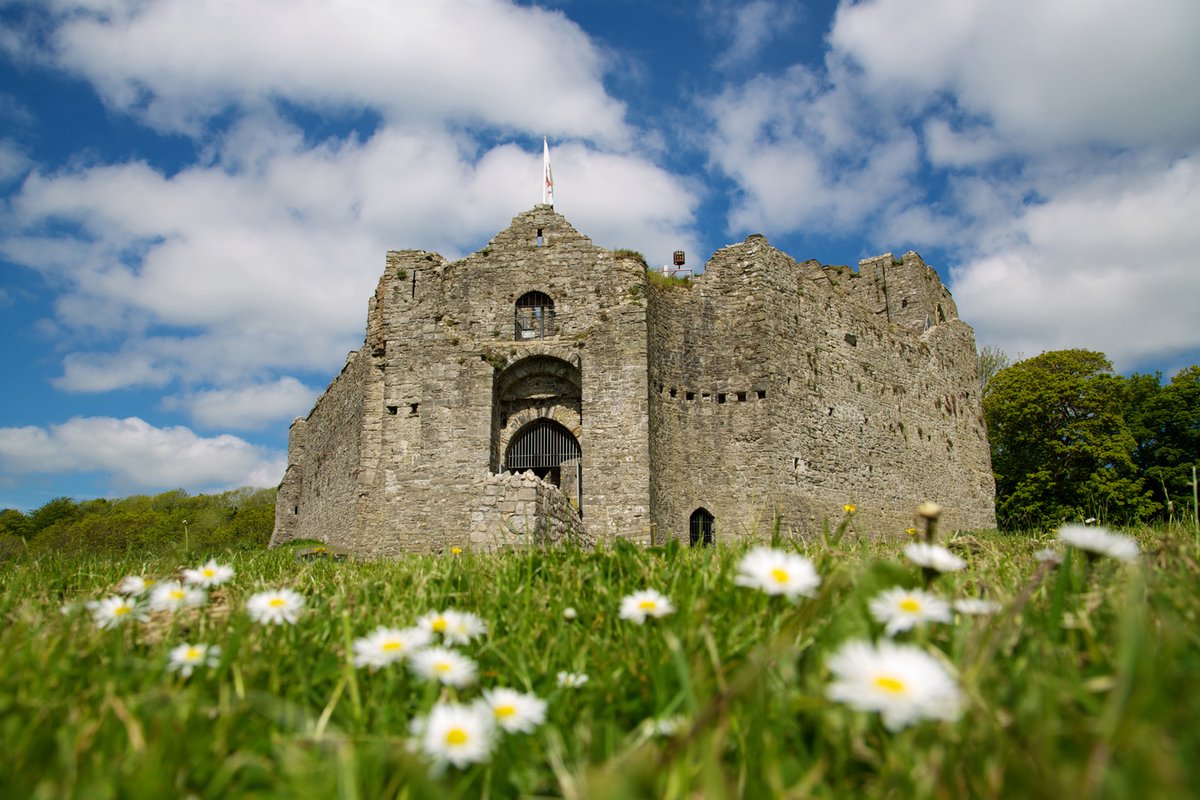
{"points": [[779, 575], [457, 551], [121, 611], [177, 594], [149, 582], [910, 605], [849, 508], [456, 736], [442, 666], [192, 654], [502, 712], [647, 605], [277, 602], [209, 572], [891, 685], [438, 625], [389, 647]]}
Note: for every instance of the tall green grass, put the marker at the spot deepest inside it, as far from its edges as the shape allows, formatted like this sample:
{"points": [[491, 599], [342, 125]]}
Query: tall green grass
{"points": [[1085, 685]]}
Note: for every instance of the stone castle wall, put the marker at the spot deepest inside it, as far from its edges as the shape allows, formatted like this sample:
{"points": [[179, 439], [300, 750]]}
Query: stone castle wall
{"points": [[766, 392]]}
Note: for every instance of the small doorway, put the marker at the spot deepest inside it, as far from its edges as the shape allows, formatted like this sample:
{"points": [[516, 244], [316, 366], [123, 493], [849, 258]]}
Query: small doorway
{"points": [[700, 528]]}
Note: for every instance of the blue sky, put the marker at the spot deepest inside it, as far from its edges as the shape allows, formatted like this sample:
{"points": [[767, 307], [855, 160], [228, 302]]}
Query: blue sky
{"points": [[198, 194]]}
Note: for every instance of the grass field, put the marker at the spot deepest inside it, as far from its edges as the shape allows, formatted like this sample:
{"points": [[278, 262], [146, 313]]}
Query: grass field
{"points": [[1085, 682]]}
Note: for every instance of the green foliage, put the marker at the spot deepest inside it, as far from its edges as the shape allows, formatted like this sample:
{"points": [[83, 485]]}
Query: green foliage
{"points": [[204, 523], [1061, 448], [1087, 684], [634, 254], [1165, 421], [662, 281], [991, 361]]}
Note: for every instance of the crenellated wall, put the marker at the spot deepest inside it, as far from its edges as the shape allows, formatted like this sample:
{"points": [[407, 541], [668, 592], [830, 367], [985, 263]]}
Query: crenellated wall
{"points": [[766, 391]]}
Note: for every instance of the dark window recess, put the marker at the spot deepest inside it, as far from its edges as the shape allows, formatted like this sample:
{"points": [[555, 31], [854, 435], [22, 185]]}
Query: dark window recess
{"points": [[393, 409], [412, 409], [295, 510], [851, 339], [721, 397], [539, 237], [762, 393], [534, 318], [741, 397], [691, 396], [672, 393], [414, 284], [700, 528]]}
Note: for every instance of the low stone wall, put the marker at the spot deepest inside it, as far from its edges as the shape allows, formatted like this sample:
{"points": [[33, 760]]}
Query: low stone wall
{"points": [[522, 510]]}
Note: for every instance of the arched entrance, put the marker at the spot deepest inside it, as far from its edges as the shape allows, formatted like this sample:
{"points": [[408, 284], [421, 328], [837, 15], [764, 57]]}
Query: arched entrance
{"points": [[700, 528], [542, 446]]}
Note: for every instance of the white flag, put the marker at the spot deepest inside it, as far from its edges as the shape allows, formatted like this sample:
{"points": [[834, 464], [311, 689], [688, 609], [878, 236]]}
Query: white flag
{"points": [[547, 177]]}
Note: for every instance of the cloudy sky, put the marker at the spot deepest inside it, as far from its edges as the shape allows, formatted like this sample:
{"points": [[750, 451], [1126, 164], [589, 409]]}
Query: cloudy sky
{"points": [[198, 194]]}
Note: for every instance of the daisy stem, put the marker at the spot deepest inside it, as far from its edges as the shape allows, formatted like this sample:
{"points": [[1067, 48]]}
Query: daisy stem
{"points": [[352, 677]]}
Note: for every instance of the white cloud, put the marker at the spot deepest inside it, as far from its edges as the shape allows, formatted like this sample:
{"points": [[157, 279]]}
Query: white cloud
{"points": [[1044, 75], [247, 407], [1106, 263], [177, 63], [214, 275], [805, 157], [13, 161], [748, 27], [139, 456], [1051, 146]]}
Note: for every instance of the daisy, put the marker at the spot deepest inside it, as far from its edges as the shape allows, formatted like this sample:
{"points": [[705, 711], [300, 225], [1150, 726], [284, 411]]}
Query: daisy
{"points": [[646, 603], [934, 557], [117, 610], [173, 595], [571, 680], [275, 607], [663, 726], [134, 585], [904, 683], [443, 665], [1048, 556], [901, 609], [1100, 540], [457, 627], [975, 606], [777, 572], [513, 711], [457, 734], [209, 575], [388, 645], [186, 657]]}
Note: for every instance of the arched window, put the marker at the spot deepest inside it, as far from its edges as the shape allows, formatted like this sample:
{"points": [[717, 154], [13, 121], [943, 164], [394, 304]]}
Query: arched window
{"points": [[700, 528], [534, 316], [542, 446]]}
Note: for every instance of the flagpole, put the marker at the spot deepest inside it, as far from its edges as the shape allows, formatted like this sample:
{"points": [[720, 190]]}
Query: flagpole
{"points": [[547, 176]]}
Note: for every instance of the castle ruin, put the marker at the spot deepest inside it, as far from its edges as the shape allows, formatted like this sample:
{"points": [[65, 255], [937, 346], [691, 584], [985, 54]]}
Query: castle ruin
{"points": [[547, 388]]}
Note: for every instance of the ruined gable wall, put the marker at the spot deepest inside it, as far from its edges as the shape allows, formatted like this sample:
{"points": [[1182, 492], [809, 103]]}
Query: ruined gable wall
{"points": [[442, 331], [856, 410], [712, 390], [320, 497]]}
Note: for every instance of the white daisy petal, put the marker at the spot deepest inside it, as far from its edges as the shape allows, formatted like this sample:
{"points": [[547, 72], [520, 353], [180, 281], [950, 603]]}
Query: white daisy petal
{"points": [[386, 646], [208, 575], [275, 607], [903, 683], [901, 609], [187, 657], [571, 680], [173, 596], [646, 603], [457, 734], [1100, 540], [933, 556], [112, 612], [443, 665], [513, 711], [777, 572]]}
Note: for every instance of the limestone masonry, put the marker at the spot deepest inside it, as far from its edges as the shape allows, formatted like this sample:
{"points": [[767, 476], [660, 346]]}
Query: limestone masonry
{"points": [[545, 388]]}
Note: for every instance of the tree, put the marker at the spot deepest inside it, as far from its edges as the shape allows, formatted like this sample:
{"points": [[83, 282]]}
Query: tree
{"points": [[1061, 448], [991, 361], [1165, 421]]}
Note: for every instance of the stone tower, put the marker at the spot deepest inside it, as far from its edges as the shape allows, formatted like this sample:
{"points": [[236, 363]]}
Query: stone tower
{"points": [[545, 388]]}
